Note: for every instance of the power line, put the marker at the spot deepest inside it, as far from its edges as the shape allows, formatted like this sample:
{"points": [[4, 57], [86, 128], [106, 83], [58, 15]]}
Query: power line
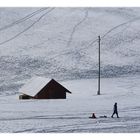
{"points": [[96, 40], [27, 27], [22, 19], [40, 10], [114, 28], [109, 31]]}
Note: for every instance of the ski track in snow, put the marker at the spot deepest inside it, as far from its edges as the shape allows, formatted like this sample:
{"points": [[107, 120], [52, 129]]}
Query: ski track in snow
{"points": [[22, 19], [26, 29], [75, 28]]}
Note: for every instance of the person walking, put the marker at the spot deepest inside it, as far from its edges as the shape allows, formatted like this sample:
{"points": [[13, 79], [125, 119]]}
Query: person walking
{"points": [[115, 111]]}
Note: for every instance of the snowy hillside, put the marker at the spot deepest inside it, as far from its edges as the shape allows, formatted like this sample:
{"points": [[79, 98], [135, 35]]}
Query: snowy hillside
{"points": [[61, 43], [68, 32]]}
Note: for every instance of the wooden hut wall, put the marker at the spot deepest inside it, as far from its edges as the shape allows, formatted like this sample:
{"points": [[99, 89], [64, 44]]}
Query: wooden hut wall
{"points": [[52, 91]]}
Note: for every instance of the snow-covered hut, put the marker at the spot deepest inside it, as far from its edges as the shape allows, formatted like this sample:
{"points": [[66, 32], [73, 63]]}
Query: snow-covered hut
{"points": [[43, 88]]}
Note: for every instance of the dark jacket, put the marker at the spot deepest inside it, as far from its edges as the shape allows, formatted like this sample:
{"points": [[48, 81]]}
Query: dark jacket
{"points": [[115, 108]]}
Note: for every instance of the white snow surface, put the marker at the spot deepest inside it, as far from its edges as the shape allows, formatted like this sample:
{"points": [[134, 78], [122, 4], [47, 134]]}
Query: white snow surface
{"points": [[63, 45], [72, 114], [60, 44], [34, 85]]}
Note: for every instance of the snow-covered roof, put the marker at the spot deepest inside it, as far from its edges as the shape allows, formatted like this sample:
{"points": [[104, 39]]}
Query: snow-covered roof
{"points": [[34, 85]]}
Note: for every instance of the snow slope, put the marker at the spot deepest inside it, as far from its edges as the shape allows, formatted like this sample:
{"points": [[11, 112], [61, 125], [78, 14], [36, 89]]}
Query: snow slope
{"points": [[71, 115], [61, 43]]}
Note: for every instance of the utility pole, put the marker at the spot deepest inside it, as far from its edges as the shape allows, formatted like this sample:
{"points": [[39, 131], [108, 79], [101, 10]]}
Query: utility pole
{"points": [[98, 92]]}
